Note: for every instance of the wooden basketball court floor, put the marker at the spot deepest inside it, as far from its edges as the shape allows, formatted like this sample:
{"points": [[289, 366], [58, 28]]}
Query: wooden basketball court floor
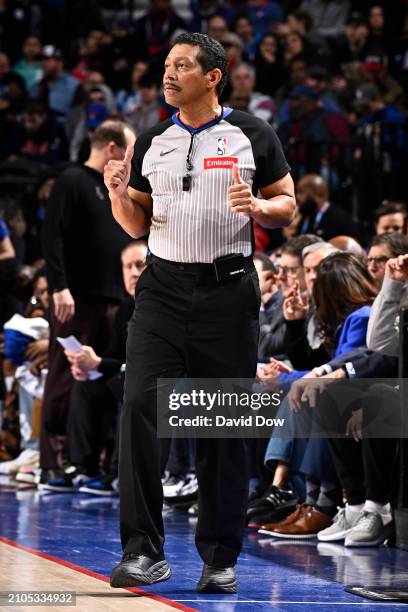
{"points": [[70, 543]]}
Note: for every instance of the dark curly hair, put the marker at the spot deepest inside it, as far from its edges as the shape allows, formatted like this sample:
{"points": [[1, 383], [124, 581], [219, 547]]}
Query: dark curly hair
{"points": [[212, 54]]}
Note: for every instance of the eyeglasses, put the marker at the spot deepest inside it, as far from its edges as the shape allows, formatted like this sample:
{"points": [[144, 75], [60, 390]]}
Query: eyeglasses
{"points": [[288, 270], [379, 261]]}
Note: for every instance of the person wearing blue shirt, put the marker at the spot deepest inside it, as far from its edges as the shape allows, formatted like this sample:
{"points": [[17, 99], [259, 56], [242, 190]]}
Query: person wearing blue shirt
{"points": [[58, 89]]}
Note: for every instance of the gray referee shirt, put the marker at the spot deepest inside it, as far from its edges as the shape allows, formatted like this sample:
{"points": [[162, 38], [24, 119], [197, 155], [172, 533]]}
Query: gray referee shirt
{"points": [[197, 225]]}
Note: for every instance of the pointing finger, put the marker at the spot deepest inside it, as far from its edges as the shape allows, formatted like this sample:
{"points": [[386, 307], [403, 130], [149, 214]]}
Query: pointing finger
{"points": [[129, 154]]}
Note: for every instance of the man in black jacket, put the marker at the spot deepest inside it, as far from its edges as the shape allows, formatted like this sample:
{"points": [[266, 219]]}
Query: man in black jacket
{"points": [[82, 247]]}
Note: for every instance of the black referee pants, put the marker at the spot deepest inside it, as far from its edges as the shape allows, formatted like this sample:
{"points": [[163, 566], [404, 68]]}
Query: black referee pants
{"points": [[185, 322]]}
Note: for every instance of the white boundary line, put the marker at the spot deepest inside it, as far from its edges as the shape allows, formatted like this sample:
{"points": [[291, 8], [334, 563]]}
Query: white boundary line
{"points": [[309, 603]]}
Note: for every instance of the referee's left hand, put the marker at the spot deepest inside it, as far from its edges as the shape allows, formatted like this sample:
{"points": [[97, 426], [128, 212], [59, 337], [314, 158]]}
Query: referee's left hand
{"points": [[240, 198]]}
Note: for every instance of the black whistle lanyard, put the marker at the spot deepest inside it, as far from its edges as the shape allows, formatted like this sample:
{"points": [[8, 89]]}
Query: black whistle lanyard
{"points": [[188, 178]]}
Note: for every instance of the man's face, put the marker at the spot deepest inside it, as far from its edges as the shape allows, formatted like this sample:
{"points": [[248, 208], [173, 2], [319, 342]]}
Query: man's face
{"points": [[390, 223], [217, 27], [93, 80], [376, 260], [139, 69], [310, 264], [298, 72], [32, 48], [4, 65], [133, 264], [304, 192], [149, 94], [300, 107], [243, 81], [184, 80], [33, 121], [51, 67], [290, 271], [376, 18], [244, 28]]}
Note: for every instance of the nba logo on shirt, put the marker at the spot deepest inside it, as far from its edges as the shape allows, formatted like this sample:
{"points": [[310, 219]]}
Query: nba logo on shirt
{"points": [[221, 146]]}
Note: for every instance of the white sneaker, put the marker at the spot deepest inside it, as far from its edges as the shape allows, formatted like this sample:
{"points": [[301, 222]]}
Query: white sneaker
{"points": [[187, 491], [341, 526], [27, 457], [29, 475], [369, 530], [172, 486]]}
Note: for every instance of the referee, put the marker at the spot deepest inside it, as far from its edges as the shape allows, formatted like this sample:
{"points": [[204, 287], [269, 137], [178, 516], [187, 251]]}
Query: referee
{"points": [[191, 182]]}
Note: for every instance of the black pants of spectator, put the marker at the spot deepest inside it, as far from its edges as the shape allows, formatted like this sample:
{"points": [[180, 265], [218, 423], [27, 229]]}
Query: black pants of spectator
{"points": [[366, 469], [92, 423], [91, 324], [185, 322]]}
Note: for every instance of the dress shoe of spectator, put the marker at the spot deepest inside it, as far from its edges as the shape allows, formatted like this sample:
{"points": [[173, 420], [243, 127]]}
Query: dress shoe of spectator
{"points": [[307, 525]]}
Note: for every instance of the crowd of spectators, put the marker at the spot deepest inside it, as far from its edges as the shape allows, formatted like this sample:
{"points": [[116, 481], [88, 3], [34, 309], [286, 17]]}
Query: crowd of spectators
{"points": [[331, 77]]}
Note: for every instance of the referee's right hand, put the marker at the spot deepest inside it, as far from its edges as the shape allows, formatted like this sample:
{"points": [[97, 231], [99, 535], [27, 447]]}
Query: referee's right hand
{"points": [[116, 173]]}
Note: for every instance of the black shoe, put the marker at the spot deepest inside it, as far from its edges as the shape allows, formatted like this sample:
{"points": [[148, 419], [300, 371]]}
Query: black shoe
{"points": [[68, 482], [138, 570], [217, 580], [274, 505], [256, 495]]}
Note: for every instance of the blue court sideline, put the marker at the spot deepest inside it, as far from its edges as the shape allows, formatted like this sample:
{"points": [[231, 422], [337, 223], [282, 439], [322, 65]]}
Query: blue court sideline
{"points": [[273, 575]]}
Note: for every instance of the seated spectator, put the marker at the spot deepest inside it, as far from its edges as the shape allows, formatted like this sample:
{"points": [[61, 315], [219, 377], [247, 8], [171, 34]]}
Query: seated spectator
{"points": [[267, 274], [217, 27], [6, 246], [391, 93], [380, 39], [202, 12], [313, 126], [350, 45], [383, 328], [42, 138], [263, 15], [268, 66], [84, 119], [319, 215], [243, 97], [244, 29], [12, 89], [383, 248], [29, 66], [317, 80], [149, 111], [297, 74], [342, 293], [90, 57], [390, 217], [153, 31], [234, 49], [128, 100], [348, 244], [94, 403], [329, 17], [300, 21], [58, 90], [294, 45], [290, 273], [95, 91]]}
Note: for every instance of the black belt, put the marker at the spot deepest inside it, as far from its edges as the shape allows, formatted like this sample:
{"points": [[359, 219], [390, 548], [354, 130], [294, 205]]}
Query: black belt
{"points": [[194, 268]]}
